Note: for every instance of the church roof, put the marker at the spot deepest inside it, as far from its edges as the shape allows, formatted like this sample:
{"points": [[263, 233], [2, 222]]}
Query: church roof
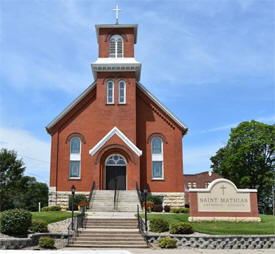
{"points": [[139, 85], [163, 107]]}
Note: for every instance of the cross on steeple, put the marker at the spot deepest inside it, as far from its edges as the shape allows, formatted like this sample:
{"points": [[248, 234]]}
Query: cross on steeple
{"points": [[117, 10]]}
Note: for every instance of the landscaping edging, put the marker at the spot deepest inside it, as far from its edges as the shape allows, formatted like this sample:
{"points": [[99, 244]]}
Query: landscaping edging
{"points": [[219, 241], [31, 240]]}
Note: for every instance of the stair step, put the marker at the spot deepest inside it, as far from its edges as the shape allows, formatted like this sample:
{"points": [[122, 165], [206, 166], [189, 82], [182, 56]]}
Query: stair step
{"points": [[109, 242], [110, 238], [108, 246]]}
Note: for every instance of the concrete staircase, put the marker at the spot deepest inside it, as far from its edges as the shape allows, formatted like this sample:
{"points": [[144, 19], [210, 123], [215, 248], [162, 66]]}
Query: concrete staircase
{"points": [[109, 233], [103, 201]]}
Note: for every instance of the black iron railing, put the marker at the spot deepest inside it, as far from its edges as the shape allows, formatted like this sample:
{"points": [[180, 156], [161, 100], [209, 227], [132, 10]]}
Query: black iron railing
{"points": [[115, 195], [91, 192], [73, 228], [139, 195], [142, 226]]}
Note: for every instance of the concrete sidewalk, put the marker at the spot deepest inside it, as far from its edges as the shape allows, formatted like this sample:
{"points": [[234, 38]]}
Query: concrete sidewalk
{"points": [[141, 251]]}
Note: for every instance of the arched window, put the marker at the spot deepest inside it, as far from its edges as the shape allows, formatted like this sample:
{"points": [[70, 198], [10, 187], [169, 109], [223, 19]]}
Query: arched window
{"points": [[122, 92], [115, 160], [116, 46], [110, 92], [75, 157], [157, 158]]}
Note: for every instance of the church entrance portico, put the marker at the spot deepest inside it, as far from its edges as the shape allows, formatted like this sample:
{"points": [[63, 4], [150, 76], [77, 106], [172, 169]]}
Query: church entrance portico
{"points": [[115, 172]]}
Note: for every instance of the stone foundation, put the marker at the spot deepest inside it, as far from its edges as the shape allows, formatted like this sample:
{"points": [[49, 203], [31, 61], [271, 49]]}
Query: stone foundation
{"points": [[173, 199], [62, 197], [230, 219]]}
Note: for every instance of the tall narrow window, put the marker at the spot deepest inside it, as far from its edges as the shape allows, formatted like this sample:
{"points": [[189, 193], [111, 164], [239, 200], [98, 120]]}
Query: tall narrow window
{"points": [[75, 157], [121, 92], [116, 46], [157, 158], [110, 92]]}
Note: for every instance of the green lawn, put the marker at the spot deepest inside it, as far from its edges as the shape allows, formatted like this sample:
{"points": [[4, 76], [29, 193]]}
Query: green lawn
{"points": [[51, 217], [265, 227]]}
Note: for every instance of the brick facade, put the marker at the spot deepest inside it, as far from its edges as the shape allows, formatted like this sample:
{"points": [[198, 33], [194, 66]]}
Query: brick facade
{"points": [[91, 118], [200, 180]]}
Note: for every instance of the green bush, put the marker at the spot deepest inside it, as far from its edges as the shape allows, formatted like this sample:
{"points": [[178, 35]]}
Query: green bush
{"points": [[15, 222], [167, 243], [46, 242], [77, 198], [159, 225], [51, 208], [155, 199], [179, 210], [39, 226], [167, 208], [181, 228]]}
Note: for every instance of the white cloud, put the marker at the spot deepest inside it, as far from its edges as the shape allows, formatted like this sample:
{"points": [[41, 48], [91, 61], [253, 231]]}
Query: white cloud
{"points": [[197, 159], [267, 119], [34, 152]]}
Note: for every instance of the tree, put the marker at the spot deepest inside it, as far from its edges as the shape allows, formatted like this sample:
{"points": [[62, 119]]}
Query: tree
{"points": [[248, 159], [11, 172], [32, 193]]}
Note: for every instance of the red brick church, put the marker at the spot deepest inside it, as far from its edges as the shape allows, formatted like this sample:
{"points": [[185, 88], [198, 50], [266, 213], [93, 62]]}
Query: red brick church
{"points": [[116, 133]]}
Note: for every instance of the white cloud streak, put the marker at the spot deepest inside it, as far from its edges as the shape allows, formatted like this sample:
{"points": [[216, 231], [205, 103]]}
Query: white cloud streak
{"points": [[34, 152]]}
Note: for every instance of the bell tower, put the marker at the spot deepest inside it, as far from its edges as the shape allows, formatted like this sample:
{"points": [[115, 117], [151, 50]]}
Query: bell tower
{"points": [[116, 72]]}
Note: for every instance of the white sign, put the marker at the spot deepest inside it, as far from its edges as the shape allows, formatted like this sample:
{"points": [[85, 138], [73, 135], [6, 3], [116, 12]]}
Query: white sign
{"points": [[223, 196]]}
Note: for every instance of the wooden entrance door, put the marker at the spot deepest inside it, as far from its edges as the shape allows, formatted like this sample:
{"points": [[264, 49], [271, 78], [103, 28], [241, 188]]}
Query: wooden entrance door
{"points": [[116, 176]]}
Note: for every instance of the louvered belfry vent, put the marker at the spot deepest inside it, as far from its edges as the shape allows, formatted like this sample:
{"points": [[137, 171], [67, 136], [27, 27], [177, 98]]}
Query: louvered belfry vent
{"points": [[116, 46]]}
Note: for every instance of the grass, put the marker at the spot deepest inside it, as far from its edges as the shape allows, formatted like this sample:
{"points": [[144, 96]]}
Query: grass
{"points": [[265, 227], [51, 217]]}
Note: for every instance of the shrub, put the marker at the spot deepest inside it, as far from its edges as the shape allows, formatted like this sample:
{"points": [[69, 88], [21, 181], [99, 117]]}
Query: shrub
{"points": [[51, 208], [186, 210], [15, 222], [167, 243], [157, 208], [181, 228], [155, 199], [46, 242], [77, 198], [179, 210], [159, 225], [167, 208], [39, 226]]}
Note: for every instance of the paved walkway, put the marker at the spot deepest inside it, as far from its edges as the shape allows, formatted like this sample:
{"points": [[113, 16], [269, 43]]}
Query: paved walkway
{"points": [[140, 251]]}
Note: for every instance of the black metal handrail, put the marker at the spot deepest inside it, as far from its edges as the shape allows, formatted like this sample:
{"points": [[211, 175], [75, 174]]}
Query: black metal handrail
{"points": [[91, 192], [73, 228], [139, 195], [115, 194], [142, 226]]}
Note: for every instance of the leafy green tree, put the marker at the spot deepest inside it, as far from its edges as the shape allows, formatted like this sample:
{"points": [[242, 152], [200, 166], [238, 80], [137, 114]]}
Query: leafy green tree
{"points": [[32, 193], [11, 172], [248, 159]]}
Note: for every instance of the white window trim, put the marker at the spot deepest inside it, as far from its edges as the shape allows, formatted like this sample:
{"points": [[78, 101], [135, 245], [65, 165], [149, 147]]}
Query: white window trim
{"points": [[75, 157], [116, 37], [113, 93], [124, 83], [157, 157]]}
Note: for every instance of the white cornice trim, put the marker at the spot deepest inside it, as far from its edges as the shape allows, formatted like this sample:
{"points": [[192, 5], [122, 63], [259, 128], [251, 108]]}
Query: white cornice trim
{"points": [[122, 64], [121, 135], [164, 108], [70, 106], [213, 183]]}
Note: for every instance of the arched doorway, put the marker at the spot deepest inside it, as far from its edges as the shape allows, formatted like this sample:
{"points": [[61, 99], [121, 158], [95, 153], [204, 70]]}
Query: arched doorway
{"points": [[115, 172]]}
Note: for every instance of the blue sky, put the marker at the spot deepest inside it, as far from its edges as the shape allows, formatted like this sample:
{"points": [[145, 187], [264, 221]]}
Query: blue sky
{"points": [[211, 62]]}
